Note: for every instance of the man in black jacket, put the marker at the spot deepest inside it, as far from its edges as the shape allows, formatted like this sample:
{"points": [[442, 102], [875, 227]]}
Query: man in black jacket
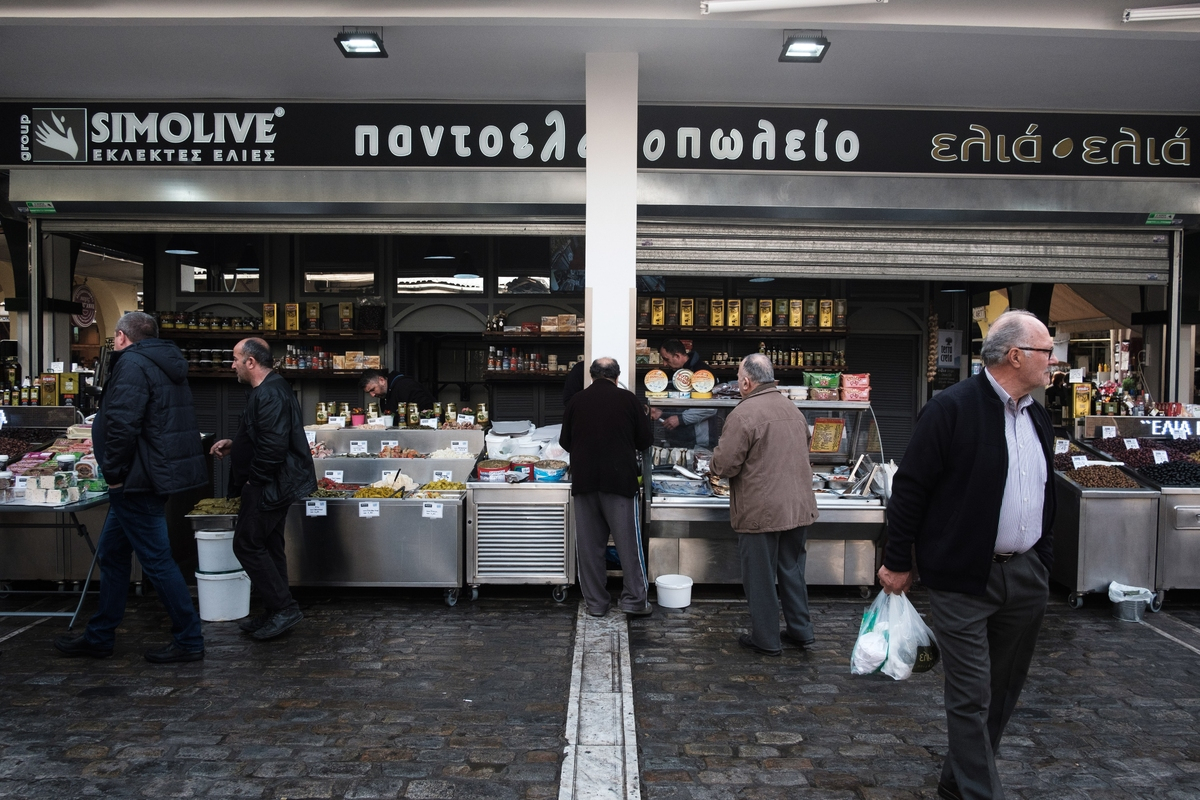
{"points": [[271, 468], [148, 447], [975, 494], [603, 428], [397, 390]]}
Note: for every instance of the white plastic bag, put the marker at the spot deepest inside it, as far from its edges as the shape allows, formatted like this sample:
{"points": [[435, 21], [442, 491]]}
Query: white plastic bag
{"points": [[893, 639], [1120, 593]]}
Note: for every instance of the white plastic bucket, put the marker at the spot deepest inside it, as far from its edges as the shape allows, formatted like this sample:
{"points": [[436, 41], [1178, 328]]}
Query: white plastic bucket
{"points": [[215, 549], [674, 591], [493, 444], [224, 596]]}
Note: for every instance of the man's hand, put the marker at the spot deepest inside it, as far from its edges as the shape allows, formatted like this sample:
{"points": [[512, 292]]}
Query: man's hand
{"points": [[655, 413], [670, 423], [221, 448], [894, 582]]}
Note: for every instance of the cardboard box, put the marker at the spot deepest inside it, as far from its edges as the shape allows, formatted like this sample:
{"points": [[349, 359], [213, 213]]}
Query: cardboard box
{"points": [[339, 362], [567, 320], [371, 362], [354, 359]]}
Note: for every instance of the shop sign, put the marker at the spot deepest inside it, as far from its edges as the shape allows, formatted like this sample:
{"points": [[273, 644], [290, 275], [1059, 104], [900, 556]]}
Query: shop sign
{"points": [[949, 349], [83, 295], [547, 136]]}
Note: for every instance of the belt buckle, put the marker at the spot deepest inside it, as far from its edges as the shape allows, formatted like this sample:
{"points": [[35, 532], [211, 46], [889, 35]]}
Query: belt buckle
{"points": [[1001, 558]]}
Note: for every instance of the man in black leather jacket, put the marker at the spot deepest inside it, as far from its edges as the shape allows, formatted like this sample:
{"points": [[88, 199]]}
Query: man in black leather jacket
{"points": [[148, 447], [272, 467]]}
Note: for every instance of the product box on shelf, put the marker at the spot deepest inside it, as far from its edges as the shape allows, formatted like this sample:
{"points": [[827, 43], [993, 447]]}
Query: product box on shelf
{"points": [[856, 380], [269, 322], [291, 316], [716, 312], [857, 394], [346, 316]]}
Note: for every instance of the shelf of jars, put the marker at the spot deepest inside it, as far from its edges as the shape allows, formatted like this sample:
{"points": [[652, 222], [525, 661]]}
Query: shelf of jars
{"points": [[227, 372], [272, 336]]}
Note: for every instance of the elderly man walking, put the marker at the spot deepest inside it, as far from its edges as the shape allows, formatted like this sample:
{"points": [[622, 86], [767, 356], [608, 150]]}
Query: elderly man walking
{"points": [[974, 495], [764, 453]]}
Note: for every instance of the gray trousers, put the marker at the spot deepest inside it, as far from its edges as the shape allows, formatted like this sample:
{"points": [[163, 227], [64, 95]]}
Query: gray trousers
{"points": [[599, 515], [767, 558], [987, 644]]}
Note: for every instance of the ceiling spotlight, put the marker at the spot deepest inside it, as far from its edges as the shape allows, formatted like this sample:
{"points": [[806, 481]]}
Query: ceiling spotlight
{"points": [[954, 288], [439, 250], [248, 261], [360, 44], [761, 280], [182, 244], [466, 267], [1161, 12], [804, 46], [734, 6]]}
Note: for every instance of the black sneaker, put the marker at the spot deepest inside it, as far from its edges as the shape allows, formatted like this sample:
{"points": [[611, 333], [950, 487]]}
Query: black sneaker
{"points": [[278, 623], [172, 654], [74, 646], [948, 792], [792, 640], [644, 611], [251, 624], [745, 641]]}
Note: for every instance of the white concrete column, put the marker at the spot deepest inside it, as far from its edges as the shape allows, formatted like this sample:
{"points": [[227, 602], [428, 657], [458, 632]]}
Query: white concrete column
{"points": [[611, 228]]}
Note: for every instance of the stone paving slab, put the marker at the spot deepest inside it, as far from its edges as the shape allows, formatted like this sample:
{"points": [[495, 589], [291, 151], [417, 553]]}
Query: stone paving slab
{"points": [[1111, 710], [374, 695]]}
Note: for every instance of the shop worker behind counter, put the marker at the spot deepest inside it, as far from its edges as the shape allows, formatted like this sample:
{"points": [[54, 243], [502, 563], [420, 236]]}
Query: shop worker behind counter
{"points": [[271, 467], [974, 493], [692, 427], [148, 447], [603, 428], [397, 390]]}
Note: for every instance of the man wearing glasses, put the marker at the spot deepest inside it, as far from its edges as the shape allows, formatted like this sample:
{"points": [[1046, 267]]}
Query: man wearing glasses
{"points": [[974, 495]]}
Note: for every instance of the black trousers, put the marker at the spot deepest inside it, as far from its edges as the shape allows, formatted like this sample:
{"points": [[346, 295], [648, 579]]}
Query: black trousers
{"points": [[258, 545]]}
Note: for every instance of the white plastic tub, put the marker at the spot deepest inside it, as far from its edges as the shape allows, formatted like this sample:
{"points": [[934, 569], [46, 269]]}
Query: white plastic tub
{"points": [[215, 549], [674, 591], [224, 596]]}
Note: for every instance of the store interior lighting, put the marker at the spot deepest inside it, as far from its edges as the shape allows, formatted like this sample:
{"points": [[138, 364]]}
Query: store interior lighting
{"points": [[761, 279], [360, 44], [248, 260], [806, 47], [737, 6], [466, 267], [182, 244], [439, 250], [954, 288], [1156, 13]]}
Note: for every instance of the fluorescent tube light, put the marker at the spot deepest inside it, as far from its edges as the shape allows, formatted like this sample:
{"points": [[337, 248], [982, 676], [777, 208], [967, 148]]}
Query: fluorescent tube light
{"points": [[804, 46], [737, 6], [355, 44], [1161, 12]]}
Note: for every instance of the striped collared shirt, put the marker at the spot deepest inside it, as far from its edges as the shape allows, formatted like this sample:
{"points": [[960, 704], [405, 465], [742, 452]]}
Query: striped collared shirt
{"points": [[1025, 485]]}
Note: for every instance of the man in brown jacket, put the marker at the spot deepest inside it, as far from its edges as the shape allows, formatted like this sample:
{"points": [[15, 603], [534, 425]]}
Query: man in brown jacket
{"points": [[764, 453]]}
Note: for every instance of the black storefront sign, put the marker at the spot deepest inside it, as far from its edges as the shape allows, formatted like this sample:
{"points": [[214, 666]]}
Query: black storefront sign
{"points": [[775, 139]]}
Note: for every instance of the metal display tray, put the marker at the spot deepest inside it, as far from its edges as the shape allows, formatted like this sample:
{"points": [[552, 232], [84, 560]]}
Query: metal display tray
{"points": [[212, 522]]}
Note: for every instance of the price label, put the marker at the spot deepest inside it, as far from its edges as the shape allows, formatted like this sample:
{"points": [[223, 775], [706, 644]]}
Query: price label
{"points": [[1108, 431], [368, 509], [389, 475], [314, 508], [443, 475], [1132, 444], [1076, 376], [21, 481], [389, 443], [467, 418], [1178, 433], [57, 366], [1079, 461], [431, 510], [311, 436], [334, 475], [429, 423], [358, 447], [459, 447], [338, 421], [1160, 457], [1061, 446]]}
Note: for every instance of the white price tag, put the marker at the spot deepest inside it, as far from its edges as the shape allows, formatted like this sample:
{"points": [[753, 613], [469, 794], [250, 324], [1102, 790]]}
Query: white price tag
{"points": [[56, 366], [1079, 461], [1076, 376], [1178, 433], [1160, 457], [429, 423], [338, 421], [388, 475], [431, 510], [358, 447], [334, 475], [368, 509], [467, 418], [311, 436], [1108, 431], [443, 475], [314, 508], [21, 481], [1061, 446], [389, 443], [459, 447], [1132, 444]]}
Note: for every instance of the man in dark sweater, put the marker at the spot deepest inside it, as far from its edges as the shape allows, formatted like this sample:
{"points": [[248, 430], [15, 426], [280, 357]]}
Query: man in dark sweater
{"points": [[974, 494], [603, 428], [394, 392]]}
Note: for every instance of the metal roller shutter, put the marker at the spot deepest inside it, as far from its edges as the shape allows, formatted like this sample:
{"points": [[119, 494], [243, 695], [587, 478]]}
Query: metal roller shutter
{"points": [[906, 253]]}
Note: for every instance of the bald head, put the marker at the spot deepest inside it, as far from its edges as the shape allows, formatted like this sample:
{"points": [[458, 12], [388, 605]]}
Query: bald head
{"points": [[607, 368]]}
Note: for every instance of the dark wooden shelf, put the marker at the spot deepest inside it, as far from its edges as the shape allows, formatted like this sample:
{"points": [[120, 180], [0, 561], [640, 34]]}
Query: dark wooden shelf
{"points": [[790, 333], [733, 368], [227, 372], [514, 338], [276, 336], [500, 376]]}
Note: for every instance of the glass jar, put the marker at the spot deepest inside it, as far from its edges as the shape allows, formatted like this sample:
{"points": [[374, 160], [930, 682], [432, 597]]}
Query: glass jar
{"points": [[481, 414], [322, 413]]}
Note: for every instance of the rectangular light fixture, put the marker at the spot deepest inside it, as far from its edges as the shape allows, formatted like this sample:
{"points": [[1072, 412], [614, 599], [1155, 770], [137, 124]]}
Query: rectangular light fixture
{"points": [[1162, 12], [804, 46], [356, 44], [737, 6]]}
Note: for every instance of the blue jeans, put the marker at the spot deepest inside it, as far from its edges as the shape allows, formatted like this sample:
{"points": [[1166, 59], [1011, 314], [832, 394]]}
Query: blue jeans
{"points": [[136, 523]]}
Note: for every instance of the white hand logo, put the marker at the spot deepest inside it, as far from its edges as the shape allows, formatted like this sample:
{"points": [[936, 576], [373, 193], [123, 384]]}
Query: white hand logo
{"points": [[62, 140]]}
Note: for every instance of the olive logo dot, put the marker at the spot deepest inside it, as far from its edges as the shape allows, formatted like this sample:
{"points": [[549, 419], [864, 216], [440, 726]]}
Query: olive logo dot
{"points": [[1063, 148]]}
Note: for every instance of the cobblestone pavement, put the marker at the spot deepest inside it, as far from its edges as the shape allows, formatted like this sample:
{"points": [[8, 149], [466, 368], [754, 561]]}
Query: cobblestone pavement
{"points": [[392, 694], [371, 696], [1111, 710]]}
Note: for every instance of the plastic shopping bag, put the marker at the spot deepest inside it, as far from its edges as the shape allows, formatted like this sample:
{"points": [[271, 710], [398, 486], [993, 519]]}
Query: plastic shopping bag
{"points": [[1119, 593], [893, 639]]}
